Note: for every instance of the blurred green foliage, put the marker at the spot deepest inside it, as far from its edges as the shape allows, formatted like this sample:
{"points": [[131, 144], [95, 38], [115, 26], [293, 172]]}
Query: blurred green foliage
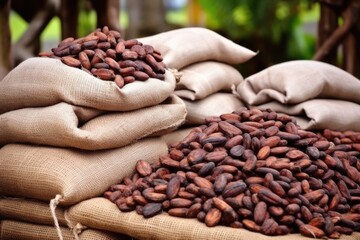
{"points": [[278, 29], [276, 24]]}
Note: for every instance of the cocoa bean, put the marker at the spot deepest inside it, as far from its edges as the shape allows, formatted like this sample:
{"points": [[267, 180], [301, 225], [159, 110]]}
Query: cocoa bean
{"points": [[143, 168], [178, 212], [258, 170], [311, 231], [194, 210], [251, 225], [260, 212], [213, 217]]}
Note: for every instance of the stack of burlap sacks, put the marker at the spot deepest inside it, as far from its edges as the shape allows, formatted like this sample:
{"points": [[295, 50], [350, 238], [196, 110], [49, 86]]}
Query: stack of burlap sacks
{"points": [[207, 70], [317, 94], [66, 136]]}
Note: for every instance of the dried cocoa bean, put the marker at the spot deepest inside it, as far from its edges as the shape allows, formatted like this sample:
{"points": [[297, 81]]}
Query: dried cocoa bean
{"points": [[273, 177]]}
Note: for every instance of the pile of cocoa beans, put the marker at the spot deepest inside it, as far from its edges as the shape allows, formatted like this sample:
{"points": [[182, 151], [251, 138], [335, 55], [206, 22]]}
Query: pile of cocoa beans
{"points": [[106, 55], [253, 169]]}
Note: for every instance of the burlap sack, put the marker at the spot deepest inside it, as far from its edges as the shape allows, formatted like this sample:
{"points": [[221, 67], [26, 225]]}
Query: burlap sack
{"points": [[321, 113], [298, 81], [30, 210], [185, 46], [102, 214], [66, 125], [39, 82], [202, 79], [68, 176], [15, 230], [213, 105], [177, 135]]}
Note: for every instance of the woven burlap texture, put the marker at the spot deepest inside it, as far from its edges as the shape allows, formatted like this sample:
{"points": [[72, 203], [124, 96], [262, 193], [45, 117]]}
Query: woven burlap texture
{"points": [[40, 82], [213, 105], [30, 210], [321, 113], [320, 95], [66, 125], [15, 230], [42, 173], [202, 79], [104, 215], [185, 46]]}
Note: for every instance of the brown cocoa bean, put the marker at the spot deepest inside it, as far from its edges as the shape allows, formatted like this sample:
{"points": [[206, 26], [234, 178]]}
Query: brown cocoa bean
{"points": [[234, 188], [229, 129], [277, 188], [251, 225], [215, 156], [270, 197], [70, 61], [260, 212], [213, 217], [269, 227], [194, 210], [143, 168], [180, 203], [311, 231], [155, 197], [220, 183], [104, 74], [178, 212]]}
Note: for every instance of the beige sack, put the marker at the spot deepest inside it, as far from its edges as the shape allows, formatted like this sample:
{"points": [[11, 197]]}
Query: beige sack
{"points": [[102, 214], [202, 79], [39, 82], [14, 230], [177, 135], [185, 46], [66, 125], [321, 113], [30, 210], [213, 105], [298, 81], [69, 176]]}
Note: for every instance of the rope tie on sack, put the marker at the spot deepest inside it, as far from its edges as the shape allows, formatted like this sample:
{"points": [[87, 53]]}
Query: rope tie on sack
{"points": [[77, 230], [176, 73], [53, 204]]}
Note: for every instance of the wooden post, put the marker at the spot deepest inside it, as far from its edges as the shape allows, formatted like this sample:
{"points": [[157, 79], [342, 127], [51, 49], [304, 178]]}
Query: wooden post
{"points": [[327, 24], [357, 50], [5, 38], [69, 12], [347, 35], [25, 47], [107, 13], [349, 47], [337, 36]]}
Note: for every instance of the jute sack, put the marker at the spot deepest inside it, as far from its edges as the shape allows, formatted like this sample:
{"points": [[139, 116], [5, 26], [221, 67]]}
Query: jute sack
{"points": [[30, 210], [68, 176], [202, 79], [298, 81], [321, 113], [213, 105], [16, 230], [185, 46], [66, 125], [40, 82], [102, 214], [177, 135]]}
